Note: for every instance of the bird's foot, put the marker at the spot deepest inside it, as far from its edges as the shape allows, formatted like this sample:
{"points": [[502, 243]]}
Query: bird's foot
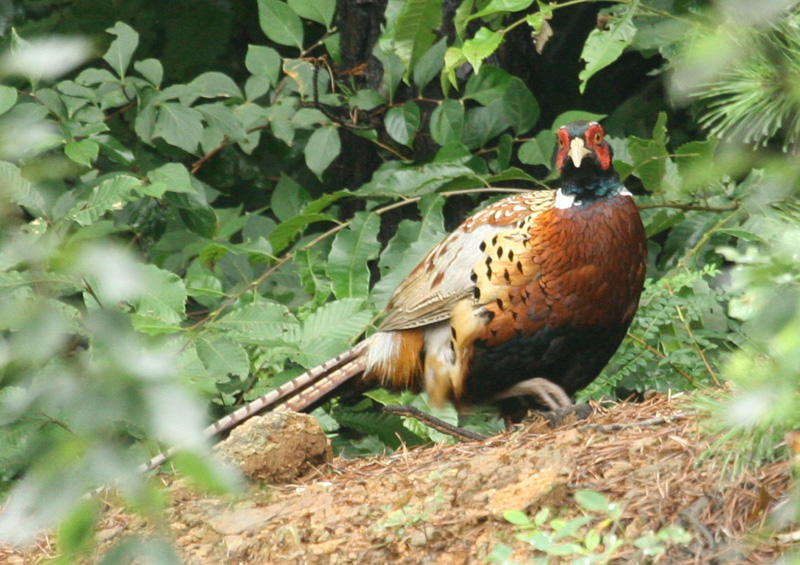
{"points": [[566, 414], [548, 392]]}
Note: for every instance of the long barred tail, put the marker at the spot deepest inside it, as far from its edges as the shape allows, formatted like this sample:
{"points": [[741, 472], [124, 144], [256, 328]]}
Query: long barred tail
{"points": [[306, 389]]}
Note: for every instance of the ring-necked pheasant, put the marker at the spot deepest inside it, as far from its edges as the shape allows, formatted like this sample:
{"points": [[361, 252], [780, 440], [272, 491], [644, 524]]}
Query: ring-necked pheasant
{"points": [[530, 296]]}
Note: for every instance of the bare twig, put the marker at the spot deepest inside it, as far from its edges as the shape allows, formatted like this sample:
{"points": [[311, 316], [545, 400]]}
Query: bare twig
{"points": [[434, 422]]}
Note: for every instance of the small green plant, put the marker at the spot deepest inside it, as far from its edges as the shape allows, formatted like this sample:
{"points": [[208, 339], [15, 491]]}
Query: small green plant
{"points": [[595, 537], [402, 519]]}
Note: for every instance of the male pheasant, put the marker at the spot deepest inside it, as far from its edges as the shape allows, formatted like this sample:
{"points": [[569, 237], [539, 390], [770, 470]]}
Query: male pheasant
{"points": [[530, 296]]}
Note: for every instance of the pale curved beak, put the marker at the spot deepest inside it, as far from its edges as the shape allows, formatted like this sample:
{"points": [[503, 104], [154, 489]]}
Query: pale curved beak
{"points": [[577, 151]]}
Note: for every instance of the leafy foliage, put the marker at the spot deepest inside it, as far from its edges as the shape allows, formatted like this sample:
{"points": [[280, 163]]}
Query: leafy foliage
{"points": [[191, 218], [592, 538]]}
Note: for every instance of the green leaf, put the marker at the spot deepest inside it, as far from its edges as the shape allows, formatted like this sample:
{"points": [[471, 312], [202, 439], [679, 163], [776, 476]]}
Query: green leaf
{"points": [[483, 124], [430, 64], [222, 356], [352, 249], [477, 49], [447, 122], [110, 194], [263, 61], [326, 332], [604, 46], [83, 152], [498, 6], [592, 501], [179, 125], [8, 97], [16, 188], [414, 30], [488, 85], [520, 107], [575, 115], [121, 50], [279, 23], [516, 517], [365, 99], [76, 531], [199, 218], [415, 181], [283, 235], [172, 177], [650, 156], [539, 150], [151, 70], [163, 296], [393, 71], [260, 323], [288, 198], [320, 11], [402, 123], [322, 148], [215, 85]]}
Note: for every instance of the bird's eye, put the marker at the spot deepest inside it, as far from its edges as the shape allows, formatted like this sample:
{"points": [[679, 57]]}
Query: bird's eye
{"points": [[598, 138], [562, 142]]}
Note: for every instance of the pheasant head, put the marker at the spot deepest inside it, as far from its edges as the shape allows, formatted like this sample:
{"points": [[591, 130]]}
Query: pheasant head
{"points": [[583, 157]]}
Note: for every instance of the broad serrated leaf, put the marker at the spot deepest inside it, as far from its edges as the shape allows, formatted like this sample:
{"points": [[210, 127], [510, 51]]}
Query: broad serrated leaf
{"points": [[179, 125], [279, 23], [604, 46], [414, 30], [402, 123], [121, 50], [447, 122], [416, 181], [162, 295], [327, 331], [322, 148], [110, 194], [285, 232], [480, 47], [352, 249], [16, 188], [221, 356], [262, 322], [83, 152], [320, 11]]}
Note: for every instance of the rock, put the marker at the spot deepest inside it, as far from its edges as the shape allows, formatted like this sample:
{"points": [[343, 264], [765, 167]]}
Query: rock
{"points": [[277, 447]]}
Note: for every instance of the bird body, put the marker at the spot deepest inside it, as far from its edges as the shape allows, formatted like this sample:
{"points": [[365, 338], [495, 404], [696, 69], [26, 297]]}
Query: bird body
{"points": [[530, 296]]}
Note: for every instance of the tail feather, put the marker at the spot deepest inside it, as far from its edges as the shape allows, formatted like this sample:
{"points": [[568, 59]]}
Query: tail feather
{"points": [[323, 386], [308, 388]]}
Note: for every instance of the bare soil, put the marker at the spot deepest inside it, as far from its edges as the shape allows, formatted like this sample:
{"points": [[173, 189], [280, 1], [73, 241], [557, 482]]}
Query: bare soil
{"points": [[444, 504]]}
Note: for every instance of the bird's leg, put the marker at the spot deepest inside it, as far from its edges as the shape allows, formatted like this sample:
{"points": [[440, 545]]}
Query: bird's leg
{"points": [[551, 395]]}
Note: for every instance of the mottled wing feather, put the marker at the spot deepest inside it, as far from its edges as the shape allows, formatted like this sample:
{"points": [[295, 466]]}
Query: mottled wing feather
{"points": [[443, 278]]}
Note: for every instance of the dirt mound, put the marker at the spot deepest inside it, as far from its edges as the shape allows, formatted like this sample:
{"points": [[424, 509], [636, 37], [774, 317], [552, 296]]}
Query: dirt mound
{"points": [[444, 504]]}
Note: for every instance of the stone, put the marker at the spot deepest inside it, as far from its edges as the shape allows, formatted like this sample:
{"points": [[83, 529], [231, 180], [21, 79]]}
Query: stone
{"points": [[277, 447]]}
